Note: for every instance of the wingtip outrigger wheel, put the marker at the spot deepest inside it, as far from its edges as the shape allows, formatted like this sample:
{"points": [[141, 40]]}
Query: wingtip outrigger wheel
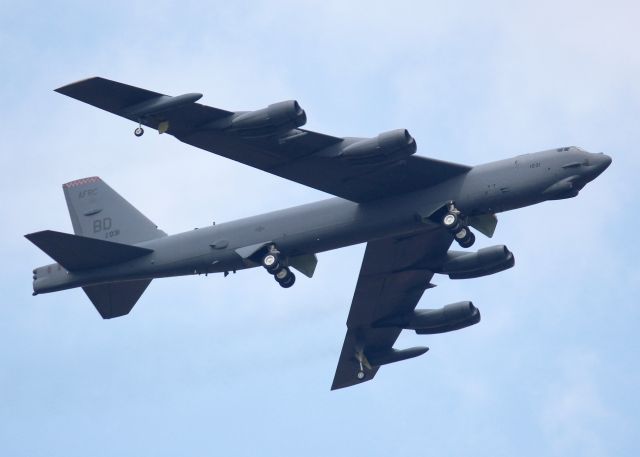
{"points": [[362, 362], [139, 131]]}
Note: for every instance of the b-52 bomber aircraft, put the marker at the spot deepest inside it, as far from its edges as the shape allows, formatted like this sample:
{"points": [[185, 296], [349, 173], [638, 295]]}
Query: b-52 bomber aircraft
{"points": [[407, 208]]}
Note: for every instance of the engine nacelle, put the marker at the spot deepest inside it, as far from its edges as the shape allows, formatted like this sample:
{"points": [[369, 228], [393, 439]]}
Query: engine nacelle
{"points": [[392, 145], [430, 321], [486, 261], [272, 120]]}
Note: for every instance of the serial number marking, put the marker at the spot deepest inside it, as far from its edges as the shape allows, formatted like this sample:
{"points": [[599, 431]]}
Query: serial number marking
{"points": [[112, 233]]}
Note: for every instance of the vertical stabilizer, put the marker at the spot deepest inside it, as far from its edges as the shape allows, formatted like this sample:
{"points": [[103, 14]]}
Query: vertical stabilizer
{"points": [[97, 211]]}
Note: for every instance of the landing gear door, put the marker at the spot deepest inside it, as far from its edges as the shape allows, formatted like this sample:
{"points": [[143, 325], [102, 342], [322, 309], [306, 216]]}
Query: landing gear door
{"points": [[484, 223]]}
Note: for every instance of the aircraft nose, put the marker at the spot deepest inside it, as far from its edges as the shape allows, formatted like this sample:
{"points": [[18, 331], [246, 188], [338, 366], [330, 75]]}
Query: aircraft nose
{"points": [[599, 162], [602, 162]]}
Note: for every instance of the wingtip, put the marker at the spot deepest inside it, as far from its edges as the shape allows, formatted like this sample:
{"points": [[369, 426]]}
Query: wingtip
{"points": [[337, 385], [34, 237], [64, 89]]}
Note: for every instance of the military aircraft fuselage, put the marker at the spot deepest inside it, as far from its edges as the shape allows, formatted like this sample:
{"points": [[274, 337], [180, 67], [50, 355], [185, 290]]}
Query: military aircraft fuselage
{"points": [[334, 223]]}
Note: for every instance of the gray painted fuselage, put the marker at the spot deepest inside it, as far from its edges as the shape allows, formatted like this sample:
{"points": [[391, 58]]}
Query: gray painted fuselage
{"points": [[334, 223]]}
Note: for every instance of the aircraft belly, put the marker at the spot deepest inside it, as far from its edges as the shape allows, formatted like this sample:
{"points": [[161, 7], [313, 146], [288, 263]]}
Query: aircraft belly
{"points": [[308, 229], [360, 228]]}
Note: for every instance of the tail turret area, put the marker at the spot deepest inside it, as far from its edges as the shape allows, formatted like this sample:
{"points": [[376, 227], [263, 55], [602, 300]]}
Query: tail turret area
{"points": [[98, 211]]}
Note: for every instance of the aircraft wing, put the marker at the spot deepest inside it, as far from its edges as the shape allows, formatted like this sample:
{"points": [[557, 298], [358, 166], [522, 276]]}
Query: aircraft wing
{"points": [[270, 140], [390, 284]]}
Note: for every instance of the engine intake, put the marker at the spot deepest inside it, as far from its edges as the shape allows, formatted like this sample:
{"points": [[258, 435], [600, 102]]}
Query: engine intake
{"points": [[431, 321], [392, 145], [486, 261], [272, 120]]}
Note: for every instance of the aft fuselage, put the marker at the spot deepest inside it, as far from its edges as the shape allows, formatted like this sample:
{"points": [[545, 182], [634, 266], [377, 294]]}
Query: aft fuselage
{"points": [[334, 223]]}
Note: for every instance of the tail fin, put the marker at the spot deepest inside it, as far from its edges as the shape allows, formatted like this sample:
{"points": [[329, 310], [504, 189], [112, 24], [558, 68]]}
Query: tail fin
{"points": [[97, 211], [106, 226], [116, 299]]}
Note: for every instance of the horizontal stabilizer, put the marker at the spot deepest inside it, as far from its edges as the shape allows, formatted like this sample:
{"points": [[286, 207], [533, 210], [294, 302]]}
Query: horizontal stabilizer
{"points": [[116, 299], [76, 252]]}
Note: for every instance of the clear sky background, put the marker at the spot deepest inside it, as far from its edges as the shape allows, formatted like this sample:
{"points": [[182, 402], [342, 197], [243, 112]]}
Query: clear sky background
{"points": [[239, 366]]}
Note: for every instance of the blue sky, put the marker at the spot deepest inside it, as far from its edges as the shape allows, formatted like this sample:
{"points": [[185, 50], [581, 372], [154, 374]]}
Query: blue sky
{"points": [[241, 367]]}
